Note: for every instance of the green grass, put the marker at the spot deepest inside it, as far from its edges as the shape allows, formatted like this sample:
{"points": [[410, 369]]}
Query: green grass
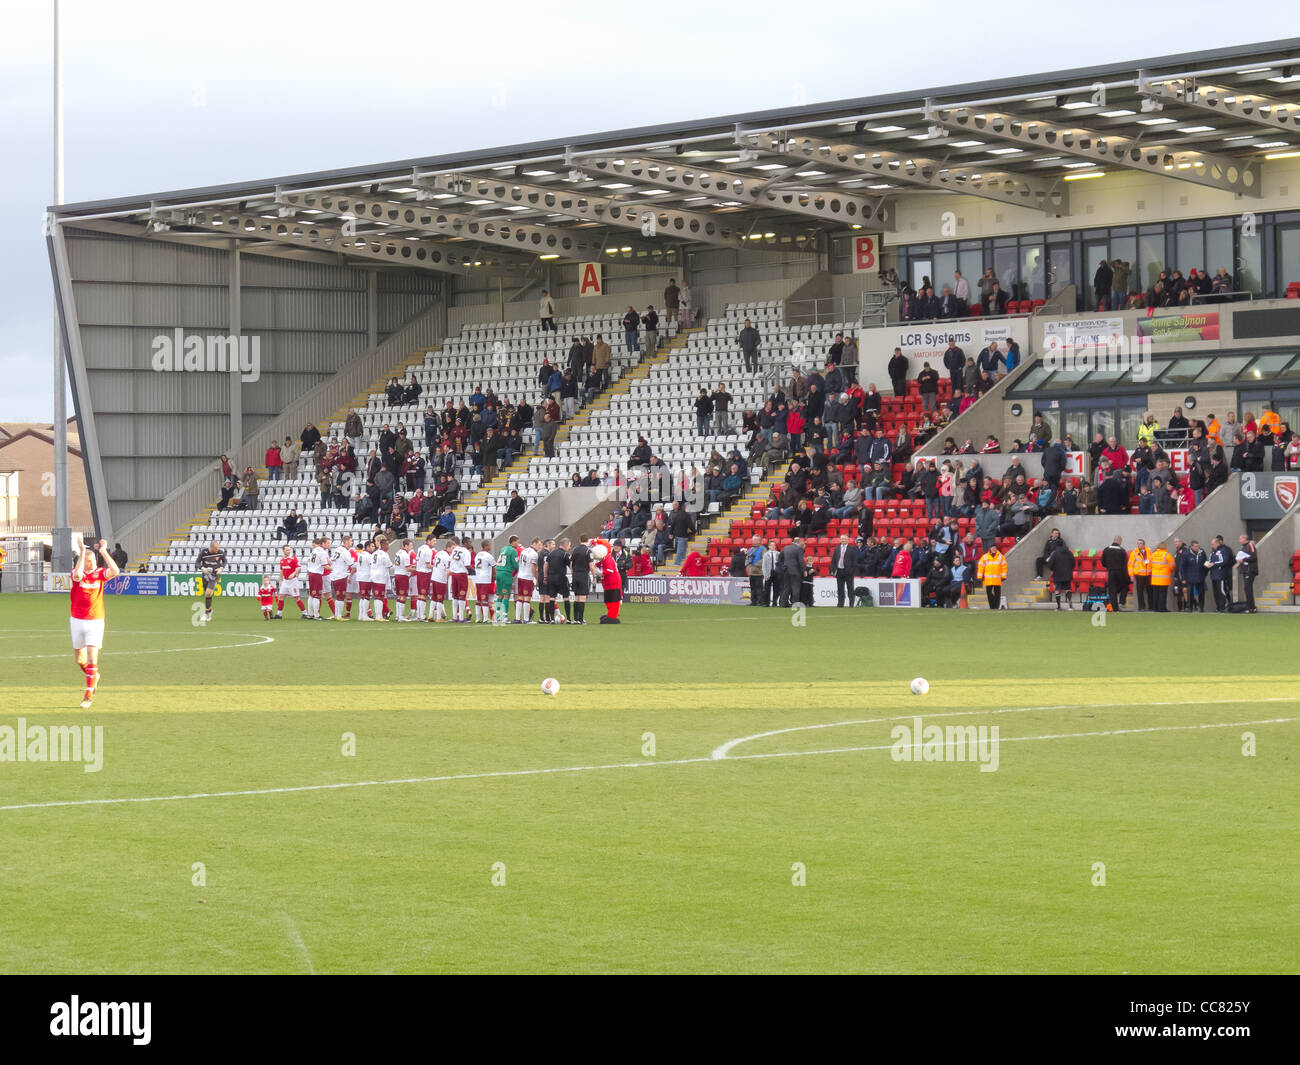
{"points": [[653, 866]]}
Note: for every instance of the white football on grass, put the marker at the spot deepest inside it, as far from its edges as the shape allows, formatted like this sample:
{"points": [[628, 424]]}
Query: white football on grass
{"points": [[920, 686], [550, 686]]}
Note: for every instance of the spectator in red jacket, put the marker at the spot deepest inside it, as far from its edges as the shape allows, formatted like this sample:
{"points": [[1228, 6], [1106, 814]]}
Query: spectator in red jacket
{"points": [[694, 566], [795, 424], [273, 462], [903, 561], [642, 564], [1115, 455]]}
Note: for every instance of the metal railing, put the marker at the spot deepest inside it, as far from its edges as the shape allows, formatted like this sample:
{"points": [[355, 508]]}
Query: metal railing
{"points": [[828, 310], [1224, 297]]}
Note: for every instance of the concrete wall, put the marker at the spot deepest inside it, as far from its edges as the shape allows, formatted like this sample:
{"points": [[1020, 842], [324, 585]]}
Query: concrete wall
{"points": [[1276, 548], [558, 510], [986, 416], [1085, 532], [1218, 515]]}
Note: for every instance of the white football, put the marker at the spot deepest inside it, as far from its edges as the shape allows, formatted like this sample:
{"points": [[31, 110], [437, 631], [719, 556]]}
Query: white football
{"points": [[920, 686], [550, 686]]}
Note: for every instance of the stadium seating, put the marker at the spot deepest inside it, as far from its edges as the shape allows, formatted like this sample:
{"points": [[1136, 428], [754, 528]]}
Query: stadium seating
{"points": [[504, 357]]}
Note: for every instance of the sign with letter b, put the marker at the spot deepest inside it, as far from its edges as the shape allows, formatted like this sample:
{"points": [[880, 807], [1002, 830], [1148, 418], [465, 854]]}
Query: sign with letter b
{"points": [[866, 253]]}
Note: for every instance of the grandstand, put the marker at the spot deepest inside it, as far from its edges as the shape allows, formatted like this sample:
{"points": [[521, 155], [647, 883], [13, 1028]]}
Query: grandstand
{"points": [[811, 221]]}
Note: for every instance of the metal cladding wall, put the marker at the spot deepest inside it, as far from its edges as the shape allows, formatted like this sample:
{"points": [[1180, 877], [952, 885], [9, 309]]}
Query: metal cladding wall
{"points": [[157, 428]]}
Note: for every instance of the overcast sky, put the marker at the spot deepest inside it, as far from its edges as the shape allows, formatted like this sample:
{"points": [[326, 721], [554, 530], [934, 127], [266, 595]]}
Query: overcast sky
{"points": [[161, 96]]}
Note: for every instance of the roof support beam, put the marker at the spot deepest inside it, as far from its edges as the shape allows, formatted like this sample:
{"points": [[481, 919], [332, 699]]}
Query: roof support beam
{"points": [[423, 253], [1021, 190], [650, 219], [1222, 100], [1221, 172], [680, 176], [522, 237]]}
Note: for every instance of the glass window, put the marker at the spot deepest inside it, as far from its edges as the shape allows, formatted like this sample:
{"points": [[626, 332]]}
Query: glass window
{"points": [[945, 265], [1032, 379], [1129, 420], [1182, 371], [971, 264], [1150, 258], [1288, 256], [1218, 250], [1250, 266], [1004, 269], [1076, 425], [1033, 271], [1103, 421], [1060, 268], [1190, 251], [1266, 366], [1223, 369]]}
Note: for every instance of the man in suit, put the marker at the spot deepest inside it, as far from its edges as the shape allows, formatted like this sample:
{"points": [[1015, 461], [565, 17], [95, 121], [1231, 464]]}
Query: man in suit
{"points": [[844, 566], [754, 570], [771, 574], [792, 560]]}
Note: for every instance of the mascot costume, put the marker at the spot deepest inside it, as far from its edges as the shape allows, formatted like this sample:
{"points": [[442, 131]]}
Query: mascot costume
{"points": [[610, 579]]}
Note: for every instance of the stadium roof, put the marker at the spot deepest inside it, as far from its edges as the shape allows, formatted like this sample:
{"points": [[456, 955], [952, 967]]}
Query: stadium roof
{"points": [[776, 178]]}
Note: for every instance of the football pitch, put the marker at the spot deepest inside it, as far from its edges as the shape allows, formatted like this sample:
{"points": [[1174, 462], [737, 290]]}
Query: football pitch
{"points": [[712, 790]]}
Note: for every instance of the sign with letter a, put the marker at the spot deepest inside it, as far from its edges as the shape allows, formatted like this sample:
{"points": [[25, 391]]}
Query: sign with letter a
{"points": [[590, 281], [866, 253]]}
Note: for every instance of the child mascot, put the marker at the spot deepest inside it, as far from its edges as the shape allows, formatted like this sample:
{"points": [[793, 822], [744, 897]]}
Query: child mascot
{"points": [[610, 579]]}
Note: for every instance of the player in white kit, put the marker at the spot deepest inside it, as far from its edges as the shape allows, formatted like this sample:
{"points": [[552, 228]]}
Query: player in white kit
{"points": [[424, 578], [341, 566], [461, 560], [485, 567], [381, 568], [365, 562], [524, 582], [441, 564], [318, 561], [403, 578]]}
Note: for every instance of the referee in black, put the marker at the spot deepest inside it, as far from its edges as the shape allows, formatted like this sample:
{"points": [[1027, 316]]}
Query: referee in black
{"points": [[1114, 560], [580, 562], [210, 563], [557, 578]]}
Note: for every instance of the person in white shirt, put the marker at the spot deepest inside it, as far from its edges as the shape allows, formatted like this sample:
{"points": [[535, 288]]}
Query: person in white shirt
{"points": [[403, 565], [461, 560], [684, 304], [441, 562], [424, 577], [317, 561], [961, 290], [365, 561], [485, 568], [381, 569], [341, 566], [524, 581]]}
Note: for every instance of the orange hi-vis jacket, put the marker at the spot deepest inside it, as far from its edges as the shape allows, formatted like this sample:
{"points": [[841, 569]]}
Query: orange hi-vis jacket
{"points": [[992, 568], [1139, 563], [1161, 563], [1212, 431]]}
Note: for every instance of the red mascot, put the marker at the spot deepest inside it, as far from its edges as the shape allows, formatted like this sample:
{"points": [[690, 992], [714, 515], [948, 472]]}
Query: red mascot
{"points": [[610, 578]]}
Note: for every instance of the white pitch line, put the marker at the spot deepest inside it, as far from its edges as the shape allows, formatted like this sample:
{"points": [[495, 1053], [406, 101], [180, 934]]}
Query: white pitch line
{"points": [[296, 939], [594, 768], [258, 641], [723, 751]]}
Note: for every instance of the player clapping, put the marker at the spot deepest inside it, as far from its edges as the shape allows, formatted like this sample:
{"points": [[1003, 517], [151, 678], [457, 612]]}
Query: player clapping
{"points": [[290, 583], [484, 571], [86, 601]]}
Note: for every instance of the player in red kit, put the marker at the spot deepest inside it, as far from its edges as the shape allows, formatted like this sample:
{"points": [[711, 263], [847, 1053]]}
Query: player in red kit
{"points": [[87, 604], [290, 583], [266, 597], [610, 579]]}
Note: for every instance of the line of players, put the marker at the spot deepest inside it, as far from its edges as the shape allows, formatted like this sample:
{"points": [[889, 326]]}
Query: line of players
{"points": [[425, 579]]}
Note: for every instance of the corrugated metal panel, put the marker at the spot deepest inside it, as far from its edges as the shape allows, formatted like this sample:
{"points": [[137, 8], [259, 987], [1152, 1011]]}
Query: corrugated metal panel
{"points": [[398, 308], [155, 306], [101, 257], [271, 272], [308, 352], [265, 308]]}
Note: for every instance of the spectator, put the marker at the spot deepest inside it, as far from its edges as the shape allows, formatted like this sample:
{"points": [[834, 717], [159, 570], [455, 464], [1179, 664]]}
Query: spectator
{"points": [[600, 361], [546, 312], [928, 380], [987, 284], [1119, 275], [546, 436], [310, 437], [849, 360], [631, 330], [1012, 359], [686, 300], [293, 527], [274, 462], [681, 523], [721, 403], [749, 341], [251, 488], [651, 322], [672, 301], [990, 358], [1101, 285], [996, 302], [898, 373], [954, 361]]}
